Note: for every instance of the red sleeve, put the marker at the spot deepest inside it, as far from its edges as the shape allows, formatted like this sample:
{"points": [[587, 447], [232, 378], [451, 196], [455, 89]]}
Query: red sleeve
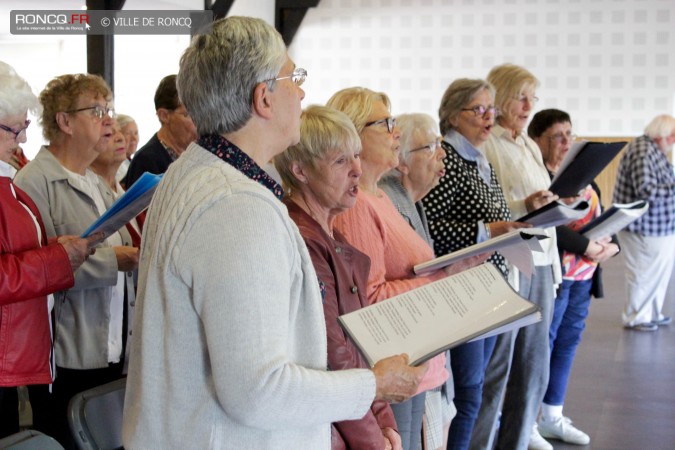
{"points": [[34, 273]]}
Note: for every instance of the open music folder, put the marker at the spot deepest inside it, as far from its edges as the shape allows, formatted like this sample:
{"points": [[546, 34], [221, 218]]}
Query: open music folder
{"points": [[556, 213], [426, 321], [615, 219], [128, 206], [584, 161]]}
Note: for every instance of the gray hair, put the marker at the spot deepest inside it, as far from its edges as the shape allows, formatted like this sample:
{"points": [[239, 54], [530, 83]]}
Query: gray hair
{"points": [[323, 131], [357, 103], [16, 96], [124, 120], [661, 126], [457, 96], [220, 70], [409, 124]]}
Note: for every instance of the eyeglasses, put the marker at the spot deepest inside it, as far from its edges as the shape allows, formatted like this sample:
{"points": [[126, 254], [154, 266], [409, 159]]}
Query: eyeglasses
{"points": [[524, 98], [429, 148], [99, 111], [297, 77], [480, 110], [559, 137], [15, 133], [390, 121]]}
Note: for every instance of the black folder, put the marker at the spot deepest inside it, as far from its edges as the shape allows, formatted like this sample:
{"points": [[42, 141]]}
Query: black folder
{"points": [[586, 165]]}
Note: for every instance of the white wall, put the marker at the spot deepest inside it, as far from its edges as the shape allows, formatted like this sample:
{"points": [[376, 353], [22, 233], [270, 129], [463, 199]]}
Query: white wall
{"points": [[140, 61], [609, 63]]}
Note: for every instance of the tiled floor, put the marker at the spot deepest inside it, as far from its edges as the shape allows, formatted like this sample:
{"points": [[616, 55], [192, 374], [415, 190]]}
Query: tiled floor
{"points": [[622, 388]]}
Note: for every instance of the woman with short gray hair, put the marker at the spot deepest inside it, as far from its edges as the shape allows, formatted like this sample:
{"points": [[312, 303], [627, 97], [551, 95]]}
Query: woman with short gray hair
{"points": [[230, 345]]}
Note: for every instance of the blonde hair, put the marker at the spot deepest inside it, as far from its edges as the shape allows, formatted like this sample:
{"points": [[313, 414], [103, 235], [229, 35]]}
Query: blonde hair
{"points": [[61, 94], [323, 131], [357, 103], [510, 81]]}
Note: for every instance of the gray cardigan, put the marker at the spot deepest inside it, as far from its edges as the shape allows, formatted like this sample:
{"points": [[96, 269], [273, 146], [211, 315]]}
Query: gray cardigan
{"points": [[82, 312], [229, 347]]}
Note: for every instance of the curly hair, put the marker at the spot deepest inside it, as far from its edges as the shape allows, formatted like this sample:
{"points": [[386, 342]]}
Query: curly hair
{"points": [[62, 93]]}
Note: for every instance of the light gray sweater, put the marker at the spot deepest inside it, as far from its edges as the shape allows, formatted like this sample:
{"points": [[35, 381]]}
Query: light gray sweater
{"points": [[229, 346]]}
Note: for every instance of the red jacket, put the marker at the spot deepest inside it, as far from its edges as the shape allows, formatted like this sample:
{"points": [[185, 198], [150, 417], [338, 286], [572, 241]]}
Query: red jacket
{"points": [[27, 274], [343, 273]]}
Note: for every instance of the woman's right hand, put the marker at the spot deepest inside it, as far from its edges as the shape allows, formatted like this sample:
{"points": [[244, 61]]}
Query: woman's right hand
{"points": [[539, 199], [392, 440], [79, 249], [395, 380], [499, 228]]}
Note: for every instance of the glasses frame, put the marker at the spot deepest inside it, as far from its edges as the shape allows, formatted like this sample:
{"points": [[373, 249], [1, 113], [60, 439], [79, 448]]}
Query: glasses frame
{"points": [[476, 110], [558, 137], [15, 133], [532, 100], [298, 76], [431, 147], [99, 111], [390, 121]]}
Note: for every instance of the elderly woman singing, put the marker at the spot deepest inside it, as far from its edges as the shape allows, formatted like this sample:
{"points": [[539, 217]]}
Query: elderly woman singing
{"points": [[375, 227], [321, 174]]}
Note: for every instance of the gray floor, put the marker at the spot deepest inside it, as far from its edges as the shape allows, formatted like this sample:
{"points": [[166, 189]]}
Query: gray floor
{"points": [[622, 388]]}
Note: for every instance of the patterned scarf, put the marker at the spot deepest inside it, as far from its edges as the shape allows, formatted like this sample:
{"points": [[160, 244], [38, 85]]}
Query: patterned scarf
{"points": [[235, 157]]}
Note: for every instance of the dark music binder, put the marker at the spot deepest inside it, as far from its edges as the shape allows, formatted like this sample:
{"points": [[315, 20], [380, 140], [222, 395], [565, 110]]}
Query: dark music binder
{"points": [[584, 167]]}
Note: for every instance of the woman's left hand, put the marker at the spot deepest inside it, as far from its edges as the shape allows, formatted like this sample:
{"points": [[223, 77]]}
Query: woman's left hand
{"points": [[609, 251], [392, 439]]}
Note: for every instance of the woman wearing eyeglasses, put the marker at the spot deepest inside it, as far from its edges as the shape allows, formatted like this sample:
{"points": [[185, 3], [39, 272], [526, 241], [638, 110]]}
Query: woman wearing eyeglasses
{"points": [[419, 169], [467, 207], [32, 268], [580, 257], [376, 228], [520, 171], [92, 317]]}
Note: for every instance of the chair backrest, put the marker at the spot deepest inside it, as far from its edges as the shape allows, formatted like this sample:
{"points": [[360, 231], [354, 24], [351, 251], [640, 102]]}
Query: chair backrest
{"points": [[29, 440], [95, 417]]}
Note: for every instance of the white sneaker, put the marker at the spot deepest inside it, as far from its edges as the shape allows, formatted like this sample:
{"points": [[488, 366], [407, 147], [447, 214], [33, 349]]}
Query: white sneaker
{"points": [[537, 442], [562, 429]]}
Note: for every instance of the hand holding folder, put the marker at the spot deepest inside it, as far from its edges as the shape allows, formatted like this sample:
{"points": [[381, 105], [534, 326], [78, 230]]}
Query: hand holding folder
{"points": [[128, 206]]}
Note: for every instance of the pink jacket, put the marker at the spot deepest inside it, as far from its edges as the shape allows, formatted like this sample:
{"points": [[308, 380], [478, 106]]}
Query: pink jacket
{"points": [[376, 228]]}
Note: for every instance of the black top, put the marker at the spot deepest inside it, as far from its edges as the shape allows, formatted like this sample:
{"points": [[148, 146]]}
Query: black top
{"points": [[459, 202], [152, 157]]}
